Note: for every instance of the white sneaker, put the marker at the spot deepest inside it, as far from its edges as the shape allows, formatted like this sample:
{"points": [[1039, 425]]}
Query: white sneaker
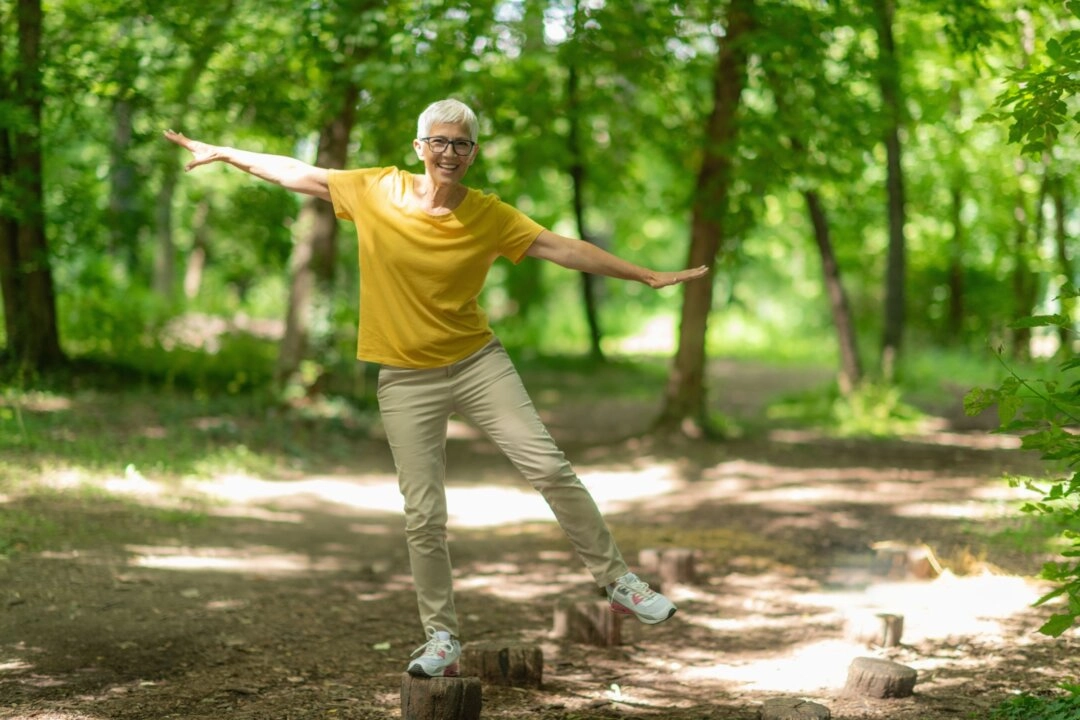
{"points": [[629, 595], [439, 658]]}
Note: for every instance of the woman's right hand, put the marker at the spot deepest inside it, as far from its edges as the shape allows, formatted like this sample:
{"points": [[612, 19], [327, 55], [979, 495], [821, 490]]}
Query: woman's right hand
{"points": [[202, 152]]}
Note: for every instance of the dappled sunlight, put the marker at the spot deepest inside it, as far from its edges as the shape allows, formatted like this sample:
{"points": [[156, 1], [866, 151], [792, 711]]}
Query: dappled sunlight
{"points": [[975, 440], [469, 506], [951, 610], [510, 581], [815, 666], [252, 559], [14, 665], [38, 402]]}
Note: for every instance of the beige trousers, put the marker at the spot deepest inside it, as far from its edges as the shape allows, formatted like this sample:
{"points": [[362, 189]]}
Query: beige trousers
{"points": [[484, 388]]}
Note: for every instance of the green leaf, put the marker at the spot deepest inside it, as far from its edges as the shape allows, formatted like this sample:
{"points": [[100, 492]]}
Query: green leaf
{"points": [[1053, 49], [979, 399], [1041, 321], [1057, 624]]}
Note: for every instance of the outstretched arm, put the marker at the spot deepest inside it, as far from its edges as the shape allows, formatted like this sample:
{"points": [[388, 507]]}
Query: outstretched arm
{"points": [[287, 172], [586, 257]]}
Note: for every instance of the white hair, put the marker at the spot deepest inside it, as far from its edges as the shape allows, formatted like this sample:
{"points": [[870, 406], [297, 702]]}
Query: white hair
{"points": [[447, 111]]}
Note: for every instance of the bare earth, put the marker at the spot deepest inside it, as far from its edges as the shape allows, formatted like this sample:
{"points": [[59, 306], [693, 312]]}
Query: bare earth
{"points": [[293, 600]]}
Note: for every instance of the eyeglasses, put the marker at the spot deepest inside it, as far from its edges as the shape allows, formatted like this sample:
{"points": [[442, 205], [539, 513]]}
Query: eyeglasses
{"points": [[439, 145]]}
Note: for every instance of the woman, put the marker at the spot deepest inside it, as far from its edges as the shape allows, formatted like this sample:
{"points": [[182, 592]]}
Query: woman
{"points": [[426, 245]]}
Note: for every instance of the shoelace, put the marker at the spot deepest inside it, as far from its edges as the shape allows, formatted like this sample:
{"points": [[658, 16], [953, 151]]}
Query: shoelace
{"points": [[432, 647], [639, 586]]}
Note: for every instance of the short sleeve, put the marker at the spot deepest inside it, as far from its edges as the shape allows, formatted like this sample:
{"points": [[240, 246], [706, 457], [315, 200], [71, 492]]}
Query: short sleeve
{"points": [[348, 188], [519, 233]]}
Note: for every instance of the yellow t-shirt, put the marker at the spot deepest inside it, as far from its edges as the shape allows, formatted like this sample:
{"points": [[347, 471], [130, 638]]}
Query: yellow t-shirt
{"points": [[421, 274]]}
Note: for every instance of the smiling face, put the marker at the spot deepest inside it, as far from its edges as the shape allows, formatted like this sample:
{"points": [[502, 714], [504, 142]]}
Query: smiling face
{"points": [[446, 167]]}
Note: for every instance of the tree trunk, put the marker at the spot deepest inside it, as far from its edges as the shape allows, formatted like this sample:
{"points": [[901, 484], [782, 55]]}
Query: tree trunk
{"points": [[1065, 268], [577, 177], [165, 257], [196, 262], [684, 407], [589, 282], [955, 321], [125, 216], [896, 272], [29, 299], [315, 247], [850, 365], [1026, 237], [1023, 277]]}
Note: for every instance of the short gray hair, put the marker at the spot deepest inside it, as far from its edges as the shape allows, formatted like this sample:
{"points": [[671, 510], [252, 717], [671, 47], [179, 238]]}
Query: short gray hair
{"points": [[447, 111]]}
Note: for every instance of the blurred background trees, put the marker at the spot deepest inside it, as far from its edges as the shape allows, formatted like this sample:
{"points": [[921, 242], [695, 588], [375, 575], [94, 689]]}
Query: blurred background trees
{"points": [[867, 180]]}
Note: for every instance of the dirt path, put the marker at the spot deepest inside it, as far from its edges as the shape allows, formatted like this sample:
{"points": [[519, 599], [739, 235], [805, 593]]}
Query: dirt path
{"points": [[291, 599]]}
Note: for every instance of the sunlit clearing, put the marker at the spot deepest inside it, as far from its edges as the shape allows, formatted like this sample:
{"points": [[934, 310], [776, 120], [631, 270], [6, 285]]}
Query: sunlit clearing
{"points": [[374, 493], [953, 606], [976, 441], [657, 337], [14, 666], [39, 402], [811, 667], [53, 715], [510, 582], [260, 560], [492, 506], [949, 609], [485, 506]]}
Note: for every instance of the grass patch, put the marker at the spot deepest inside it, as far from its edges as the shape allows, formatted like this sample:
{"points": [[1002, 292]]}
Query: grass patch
{"points": [[170, 433], [1038, 707], [869, 411], [86, 516]]}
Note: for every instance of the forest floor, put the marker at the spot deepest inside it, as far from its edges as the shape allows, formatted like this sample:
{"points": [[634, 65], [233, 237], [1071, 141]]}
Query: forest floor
{"points": [[288, 597]]}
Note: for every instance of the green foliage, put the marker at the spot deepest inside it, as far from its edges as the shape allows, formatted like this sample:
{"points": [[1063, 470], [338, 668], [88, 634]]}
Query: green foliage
{"points": [[1038, 98], [870, 410], [1038, 707], [1046, 414]]}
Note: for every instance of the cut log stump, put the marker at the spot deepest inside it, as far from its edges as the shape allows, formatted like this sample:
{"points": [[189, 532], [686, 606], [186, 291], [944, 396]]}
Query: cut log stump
{"points": [[442, 698], [587, 622], [878, 629], [506, 664], [876, 678], [672, 565], [899, 561], [792, 709]]}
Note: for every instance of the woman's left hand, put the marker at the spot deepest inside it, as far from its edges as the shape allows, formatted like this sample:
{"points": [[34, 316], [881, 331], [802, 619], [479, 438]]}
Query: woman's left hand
{"points": [[659, 280]]}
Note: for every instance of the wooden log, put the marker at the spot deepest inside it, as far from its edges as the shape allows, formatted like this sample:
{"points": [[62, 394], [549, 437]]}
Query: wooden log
{"points": [[875, 629], [440, 698], [672, 565], [899, 561], [587, 622], [792, 709], [892, 627], [876, 678], [506, 664]]}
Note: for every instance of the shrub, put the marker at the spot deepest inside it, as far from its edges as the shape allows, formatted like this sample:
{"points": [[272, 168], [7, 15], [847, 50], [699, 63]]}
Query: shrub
{"points": [[1046, 413]]}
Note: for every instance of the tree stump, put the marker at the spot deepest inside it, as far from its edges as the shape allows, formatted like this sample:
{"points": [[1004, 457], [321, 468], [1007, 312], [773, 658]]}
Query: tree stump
{"points": [[898, 561], [880, 678], [879, 629], [792, 709], [504, 663], [892, 627], [440, 698], [588, 622], [671, 565]]}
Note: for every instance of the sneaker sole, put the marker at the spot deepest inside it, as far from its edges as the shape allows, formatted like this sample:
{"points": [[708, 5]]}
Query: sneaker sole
{"points": [[620, 609], [419, 672]]}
